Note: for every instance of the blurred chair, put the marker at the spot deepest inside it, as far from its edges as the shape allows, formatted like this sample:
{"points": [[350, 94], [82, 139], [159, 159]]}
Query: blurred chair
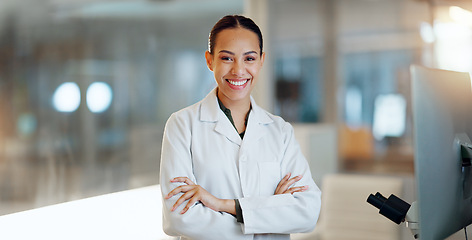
{"points": [[345, 213], [356, 144]]}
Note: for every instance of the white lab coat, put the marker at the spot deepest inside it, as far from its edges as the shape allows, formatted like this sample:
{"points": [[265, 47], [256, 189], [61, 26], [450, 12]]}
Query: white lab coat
{"points": [[201, 143]]}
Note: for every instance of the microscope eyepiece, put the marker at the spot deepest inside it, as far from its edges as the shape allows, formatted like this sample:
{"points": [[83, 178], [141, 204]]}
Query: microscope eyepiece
{"points": [[392, 208], [376, 200]]}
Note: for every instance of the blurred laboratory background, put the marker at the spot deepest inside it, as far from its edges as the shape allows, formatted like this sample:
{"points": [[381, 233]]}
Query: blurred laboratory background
{"points": [[86, 86]]}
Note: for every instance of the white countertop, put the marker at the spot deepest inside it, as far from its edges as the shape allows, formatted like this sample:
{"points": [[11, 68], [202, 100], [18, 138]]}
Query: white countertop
{"points": [[132, 214]]}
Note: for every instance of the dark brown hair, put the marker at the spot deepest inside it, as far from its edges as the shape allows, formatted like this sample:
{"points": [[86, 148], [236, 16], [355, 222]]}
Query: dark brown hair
{"points": [[233, 21]]}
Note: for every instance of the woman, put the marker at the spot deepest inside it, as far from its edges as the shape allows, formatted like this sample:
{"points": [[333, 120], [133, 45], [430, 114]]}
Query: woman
{"points": [[229, 169]]}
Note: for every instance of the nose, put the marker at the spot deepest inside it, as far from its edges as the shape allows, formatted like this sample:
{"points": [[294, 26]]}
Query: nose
{"points": [[238, 68]]}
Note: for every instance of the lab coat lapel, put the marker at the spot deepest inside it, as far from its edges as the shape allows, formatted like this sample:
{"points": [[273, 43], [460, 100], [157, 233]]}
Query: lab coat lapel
{"points": [[211, 112], [224, 126], [256, 127]]}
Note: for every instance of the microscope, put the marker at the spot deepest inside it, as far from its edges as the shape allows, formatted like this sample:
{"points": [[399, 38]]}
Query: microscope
{"points": [[397, 210]]}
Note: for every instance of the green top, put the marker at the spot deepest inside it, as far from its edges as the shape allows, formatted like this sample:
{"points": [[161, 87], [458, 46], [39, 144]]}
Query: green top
{"points": [[227, 112]]}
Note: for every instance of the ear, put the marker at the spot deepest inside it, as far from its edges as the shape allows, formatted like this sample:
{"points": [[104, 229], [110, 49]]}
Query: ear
{"points": [[209, 60]]}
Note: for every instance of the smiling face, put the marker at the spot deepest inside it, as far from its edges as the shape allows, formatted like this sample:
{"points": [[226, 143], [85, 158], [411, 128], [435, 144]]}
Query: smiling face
{"points": [[235, 62]]}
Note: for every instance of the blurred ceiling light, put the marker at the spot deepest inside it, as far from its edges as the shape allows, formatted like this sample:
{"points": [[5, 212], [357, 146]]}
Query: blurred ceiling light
{"points": [[460, 15], [99, 96], [427, 32], [66, 98]]}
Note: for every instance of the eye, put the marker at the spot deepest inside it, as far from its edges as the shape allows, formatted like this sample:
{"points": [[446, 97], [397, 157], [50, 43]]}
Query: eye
{"points": [[226, 58], [250, 58]]}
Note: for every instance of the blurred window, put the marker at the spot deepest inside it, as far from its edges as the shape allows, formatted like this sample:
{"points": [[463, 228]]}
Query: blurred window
{"points": [[298, 68], [389, 116]]}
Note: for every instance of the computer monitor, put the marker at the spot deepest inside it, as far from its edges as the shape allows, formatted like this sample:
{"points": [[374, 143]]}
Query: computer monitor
{"points": [[442, 118]]}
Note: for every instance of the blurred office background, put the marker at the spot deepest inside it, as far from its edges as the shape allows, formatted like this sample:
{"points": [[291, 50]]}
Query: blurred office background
{"points": [[87, 85]]}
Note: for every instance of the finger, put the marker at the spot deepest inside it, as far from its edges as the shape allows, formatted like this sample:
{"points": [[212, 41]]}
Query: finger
{"points": [[183, 180], [289, 182], [190, 203], [182, 199], [173, 192], [281, 183], [296, 189], [179, 189], [280, 187]]}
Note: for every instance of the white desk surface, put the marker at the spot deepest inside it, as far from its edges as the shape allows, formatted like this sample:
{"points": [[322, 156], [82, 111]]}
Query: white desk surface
{"points": [[132, 214]]}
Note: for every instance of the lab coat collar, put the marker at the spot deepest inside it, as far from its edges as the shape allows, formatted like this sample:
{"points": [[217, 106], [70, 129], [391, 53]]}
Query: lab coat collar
{"points": [[211, 112], [260, 115], [209, 109]]}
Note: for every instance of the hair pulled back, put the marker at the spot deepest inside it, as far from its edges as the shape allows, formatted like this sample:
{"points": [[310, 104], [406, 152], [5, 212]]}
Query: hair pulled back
{"points": [[231, 22]]}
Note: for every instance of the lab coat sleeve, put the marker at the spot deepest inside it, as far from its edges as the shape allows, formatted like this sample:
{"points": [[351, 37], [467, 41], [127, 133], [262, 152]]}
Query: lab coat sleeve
{"points": [[285, 213], [199, 222]]}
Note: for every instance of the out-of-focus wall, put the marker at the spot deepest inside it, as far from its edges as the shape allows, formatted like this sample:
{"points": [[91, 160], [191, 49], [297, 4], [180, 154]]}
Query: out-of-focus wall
{"points": [[332, 60], [86, 88]]}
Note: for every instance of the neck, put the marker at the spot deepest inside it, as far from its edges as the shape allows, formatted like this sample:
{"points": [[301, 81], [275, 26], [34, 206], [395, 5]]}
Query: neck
{"points": [[241, 106]]}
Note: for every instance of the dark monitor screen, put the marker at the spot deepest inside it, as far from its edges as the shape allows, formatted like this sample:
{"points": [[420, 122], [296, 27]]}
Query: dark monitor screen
{"points": [[442, 117]]}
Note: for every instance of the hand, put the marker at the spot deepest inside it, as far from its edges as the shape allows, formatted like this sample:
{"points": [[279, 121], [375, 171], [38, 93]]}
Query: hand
{"points": [[282, 187], [194, 193]]}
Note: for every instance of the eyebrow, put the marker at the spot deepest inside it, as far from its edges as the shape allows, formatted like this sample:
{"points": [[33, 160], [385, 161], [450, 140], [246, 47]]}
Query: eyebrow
{"points": [[232, 53]]}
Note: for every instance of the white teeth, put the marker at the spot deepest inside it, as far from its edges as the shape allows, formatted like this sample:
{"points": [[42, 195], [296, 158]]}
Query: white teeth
{"points": [[237, 83]]}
